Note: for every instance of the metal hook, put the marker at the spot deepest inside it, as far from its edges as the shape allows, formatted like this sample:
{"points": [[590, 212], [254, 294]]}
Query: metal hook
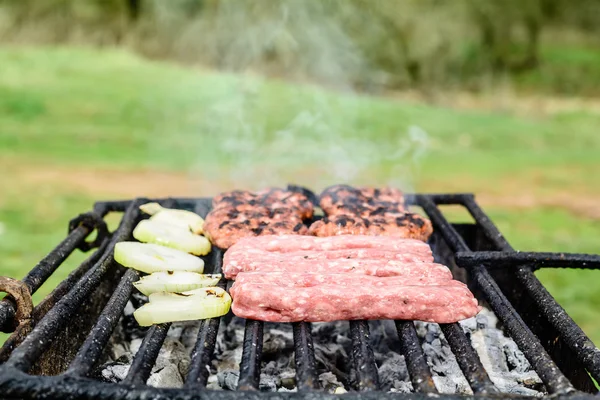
{"points": [[19, 292]]}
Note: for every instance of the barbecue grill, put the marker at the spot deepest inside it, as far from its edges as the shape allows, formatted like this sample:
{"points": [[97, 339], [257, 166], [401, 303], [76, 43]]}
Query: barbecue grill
{"points": [[52, 351]]}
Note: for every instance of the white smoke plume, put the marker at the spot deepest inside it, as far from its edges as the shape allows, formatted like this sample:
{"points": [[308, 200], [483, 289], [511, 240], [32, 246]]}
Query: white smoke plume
{"points": [[321, 140]]}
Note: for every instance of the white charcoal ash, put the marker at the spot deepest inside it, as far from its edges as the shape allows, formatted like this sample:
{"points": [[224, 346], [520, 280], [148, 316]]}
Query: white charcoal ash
{"points": [[507, 367]]}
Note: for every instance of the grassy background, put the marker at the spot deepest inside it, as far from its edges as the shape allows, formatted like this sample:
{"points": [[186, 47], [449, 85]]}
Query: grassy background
{"points": [[81, 125]]}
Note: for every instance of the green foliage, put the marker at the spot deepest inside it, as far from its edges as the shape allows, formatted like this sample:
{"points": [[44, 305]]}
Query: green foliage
{"points": [[366, 44]]}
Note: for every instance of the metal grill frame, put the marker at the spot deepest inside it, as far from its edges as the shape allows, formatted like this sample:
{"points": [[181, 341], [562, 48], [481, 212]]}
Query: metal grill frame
{"points": [[504, 279]]}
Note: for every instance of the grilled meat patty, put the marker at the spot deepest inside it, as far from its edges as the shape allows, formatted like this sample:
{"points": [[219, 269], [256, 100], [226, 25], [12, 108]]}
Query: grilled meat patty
{"points": [[407, 225], [363, 202], [368, 211], [239, 214]]}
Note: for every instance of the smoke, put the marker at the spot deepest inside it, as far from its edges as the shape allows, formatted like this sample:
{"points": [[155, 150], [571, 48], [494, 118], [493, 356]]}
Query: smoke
{"points": [[263, 132]]}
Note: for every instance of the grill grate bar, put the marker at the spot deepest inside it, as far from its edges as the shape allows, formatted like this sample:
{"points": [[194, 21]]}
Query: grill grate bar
{"points": [[251, 356], [467, 359], [45, 305], [304, 355], [419, 372], [363, 357], [144, 360], [42, 271], [56, 319], [94, 344], [585, 350], [202, 353], [207, 335], [554, 380], [509, 258]]}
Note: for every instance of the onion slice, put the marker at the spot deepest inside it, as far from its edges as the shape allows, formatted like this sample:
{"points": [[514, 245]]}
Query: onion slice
{"points": [[156, 232], [151, 258], [181, 218], [180, 281], [209, 302]]}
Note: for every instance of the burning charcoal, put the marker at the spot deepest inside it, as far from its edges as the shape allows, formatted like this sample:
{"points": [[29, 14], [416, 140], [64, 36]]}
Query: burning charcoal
{"points": [[488, 346], [333, 357], [515, 359], [229, 359], [189, 334], [402, 387], [392, 371], [116, 371], [172, 354], [213, 383], [450, 385], [284, 389], [384, 336], [329, 382], [276, 341], [268, 383], [131, 329], [168, 376], [447, 376], [288, 378], [228, 379]]}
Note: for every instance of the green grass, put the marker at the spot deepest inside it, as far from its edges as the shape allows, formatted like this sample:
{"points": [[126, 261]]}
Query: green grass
{"points": [[65, 107]]}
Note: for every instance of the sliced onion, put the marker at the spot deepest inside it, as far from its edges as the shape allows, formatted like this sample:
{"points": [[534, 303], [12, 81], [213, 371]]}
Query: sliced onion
{"points": [[151, 258], [181, 218], [174, 282], [195, 304], [150, 231]]}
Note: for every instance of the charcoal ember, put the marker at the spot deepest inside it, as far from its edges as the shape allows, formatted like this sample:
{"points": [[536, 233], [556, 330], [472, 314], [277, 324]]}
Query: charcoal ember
{"points": [[268, 381], [212, 383], [329, 382], [275, 341], [131, 329], [506, 365], [172, 357], [450, 385], [332, 346], [288, 378], [447, 376], [114, 371], [333, 357], [228, 379], [392, 371], [166, 377], [515, 359], [189, 333], [229, 359], [285, 375], [384, 337], [284, 389], [488, 345], [401, 387]]}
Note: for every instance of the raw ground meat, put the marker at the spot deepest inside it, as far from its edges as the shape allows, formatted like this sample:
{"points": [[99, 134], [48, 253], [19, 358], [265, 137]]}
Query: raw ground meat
{"points": [[442, 304], [381, 268], [289, 243], [304, 279]]}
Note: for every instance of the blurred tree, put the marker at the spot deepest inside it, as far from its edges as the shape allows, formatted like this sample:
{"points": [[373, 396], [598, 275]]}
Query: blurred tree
{"points": [[509, 31], [367, 43]]}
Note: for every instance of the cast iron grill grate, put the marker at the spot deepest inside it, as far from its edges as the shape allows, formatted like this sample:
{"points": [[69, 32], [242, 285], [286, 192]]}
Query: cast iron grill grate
{"points": [[557, 349]]}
